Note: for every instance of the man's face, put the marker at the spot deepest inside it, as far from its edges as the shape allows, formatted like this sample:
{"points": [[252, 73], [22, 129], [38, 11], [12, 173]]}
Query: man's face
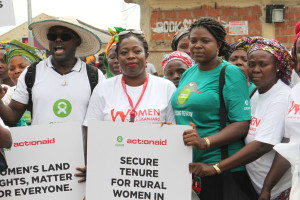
{"points": [[62, 43]]}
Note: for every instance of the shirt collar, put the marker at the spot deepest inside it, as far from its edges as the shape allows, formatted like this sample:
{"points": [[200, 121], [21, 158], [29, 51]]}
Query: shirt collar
{"points": [[77, 67]]}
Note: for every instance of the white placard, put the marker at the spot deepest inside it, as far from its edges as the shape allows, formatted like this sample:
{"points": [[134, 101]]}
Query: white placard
{"points": [[42, 163], [137, 161], [7, 15]]}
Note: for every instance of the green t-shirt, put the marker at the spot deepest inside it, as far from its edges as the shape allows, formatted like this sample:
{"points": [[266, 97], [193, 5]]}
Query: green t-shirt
{"points": [[197, 100], [252, 86]]}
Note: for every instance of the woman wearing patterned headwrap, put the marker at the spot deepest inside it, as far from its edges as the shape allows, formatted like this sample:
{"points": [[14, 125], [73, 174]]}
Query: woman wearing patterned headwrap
{"points": [[269, 68], [110, 59], [289, 153], [238, 57], [18, 56], [180, 41], [175, 64]]}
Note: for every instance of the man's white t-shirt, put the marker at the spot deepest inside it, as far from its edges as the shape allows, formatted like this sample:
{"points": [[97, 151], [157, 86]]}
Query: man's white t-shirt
{"points": [[267, 125], [109, 101], [57, 97]]}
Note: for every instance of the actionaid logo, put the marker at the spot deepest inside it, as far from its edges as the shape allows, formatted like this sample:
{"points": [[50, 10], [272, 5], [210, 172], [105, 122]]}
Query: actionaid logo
{"points": [[148, 142], [139, 113], [294, 107], [33, 143]]}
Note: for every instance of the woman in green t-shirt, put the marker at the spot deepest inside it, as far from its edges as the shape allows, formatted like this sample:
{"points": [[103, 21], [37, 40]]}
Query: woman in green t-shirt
{"points": [[197, 100]]}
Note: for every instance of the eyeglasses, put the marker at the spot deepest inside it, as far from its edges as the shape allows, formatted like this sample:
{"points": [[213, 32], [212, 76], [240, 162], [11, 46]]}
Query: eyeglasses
{"points": [[63, 36], [137, 32]]}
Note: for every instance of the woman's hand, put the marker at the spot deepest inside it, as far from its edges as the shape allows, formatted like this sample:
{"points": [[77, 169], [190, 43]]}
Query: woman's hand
{"points": [[3, 91], [192, 138], [164, 122], [202, 169], [264, 195], [82, 174]]}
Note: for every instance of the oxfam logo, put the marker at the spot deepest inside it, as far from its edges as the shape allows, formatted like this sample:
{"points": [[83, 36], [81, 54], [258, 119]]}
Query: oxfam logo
{"points": [[119, 139], [62, 108]]}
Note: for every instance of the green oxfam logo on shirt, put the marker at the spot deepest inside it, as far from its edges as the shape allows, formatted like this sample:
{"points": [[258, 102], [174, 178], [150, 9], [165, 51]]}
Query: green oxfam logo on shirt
{"points": [[119, 139], [62, 108], [185, 93]]}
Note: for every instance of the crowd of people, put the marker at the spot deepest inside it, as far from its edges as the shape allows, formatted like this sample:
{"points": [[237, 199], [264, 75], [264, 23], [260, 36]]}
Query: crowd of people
{"points": [[238, 98]]}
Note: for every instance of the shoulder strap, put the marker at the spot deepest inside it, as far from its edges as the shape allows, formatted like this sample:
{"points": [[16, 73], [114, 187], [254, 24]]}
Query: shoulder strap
{"points": [[92, 73], [252, 92], [29, 81], [222, 110]]}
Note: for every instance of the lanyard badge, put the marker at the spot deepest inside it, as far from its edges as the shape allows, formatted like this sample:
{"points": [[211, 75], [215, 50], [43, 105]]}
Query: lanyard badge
{"points": [[132, 113]]}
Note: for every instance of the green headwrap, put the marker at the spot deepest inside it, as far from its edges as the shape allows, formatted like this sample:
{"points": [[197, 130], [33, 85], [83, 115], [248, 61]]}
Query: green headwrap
{"points": [[112, 42], [16, 48]]}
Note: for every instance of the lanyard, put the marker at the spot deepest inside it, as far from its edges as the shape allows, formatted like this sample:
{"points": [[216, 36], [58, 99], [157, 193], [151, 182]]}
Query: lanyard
{"points": [[132, 113]]}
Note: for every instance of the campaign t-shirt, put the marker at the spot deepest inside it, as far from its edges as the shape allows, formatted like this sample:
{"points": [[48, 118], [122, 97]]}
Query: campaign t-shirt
{"points": [[268, 114], [109, 101], [56, 97], [197, 100], [292, 131], [252, 86]]}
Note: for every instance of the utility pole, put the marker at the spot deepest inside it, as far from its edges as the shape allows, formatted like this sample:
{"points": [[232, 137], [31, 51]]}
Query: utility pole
{"points": [[30, 36]]}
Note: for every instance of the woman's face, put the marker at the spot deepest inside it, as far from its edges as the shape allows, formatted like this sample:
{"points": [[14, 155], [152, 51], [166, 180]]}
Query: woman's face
{"points": [[112, 62], [203, 46], [262, 70], [174, 71], [184, 45], [16, 66], [297, 58], [132, 57], [239, 58], [3, 67]]}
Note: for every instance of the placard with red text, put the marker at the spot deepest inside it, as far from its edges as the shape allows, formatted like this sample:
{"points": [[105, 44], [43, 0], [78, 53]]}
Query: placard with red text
{"points": [[137, 161], [42, 162]]}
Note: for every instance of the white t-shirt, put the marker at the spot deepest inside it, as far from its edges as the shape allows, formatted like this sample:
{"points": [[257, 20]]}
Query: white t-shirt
{"points": [[56, 97], [267, 126], [109, 101], [292, 131], [150, 68], [2, 124]]}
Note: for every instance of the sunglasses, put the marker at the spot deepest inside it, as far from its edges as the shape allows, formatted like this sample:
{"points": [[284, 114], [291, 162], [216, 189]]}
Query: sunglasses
{"points": [[137, 32], [62, 36]]}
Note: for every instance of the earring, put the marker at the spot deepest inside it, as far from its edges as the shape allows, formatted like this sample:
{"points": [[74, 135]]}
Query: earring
{"points": [[277, 70], [146, 64]]}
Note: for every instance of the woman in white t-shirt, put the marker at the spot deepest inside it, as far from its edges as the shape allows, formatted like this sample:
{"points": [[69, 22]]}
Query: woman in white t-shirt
{"points": [[269, 68], [134, 96], [289, 153]]}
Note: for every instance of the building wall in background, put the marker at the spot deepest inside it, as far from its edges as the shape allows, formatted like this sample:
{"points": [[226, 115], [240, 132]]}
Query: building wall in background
{"points": [[160, 19]]}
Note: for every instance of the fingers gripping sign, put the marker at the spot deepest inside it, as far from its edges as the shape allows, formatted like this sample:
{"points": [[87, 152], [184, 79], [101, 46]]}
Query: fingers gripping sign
{"points": [[202, 169], [192, 138]]}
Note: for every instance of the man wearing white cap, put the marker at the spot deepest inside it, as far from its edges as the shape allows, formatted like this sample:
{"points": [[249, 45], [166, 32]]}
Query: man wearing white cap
{"points": [[61, 89]]}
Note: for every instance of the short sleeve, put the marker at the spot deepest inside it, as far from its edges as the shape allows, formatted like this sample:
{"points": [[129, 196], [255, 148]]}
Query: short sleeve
{"points": [[170, 117], [20, 94], [271, 129], [236, 95]]}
